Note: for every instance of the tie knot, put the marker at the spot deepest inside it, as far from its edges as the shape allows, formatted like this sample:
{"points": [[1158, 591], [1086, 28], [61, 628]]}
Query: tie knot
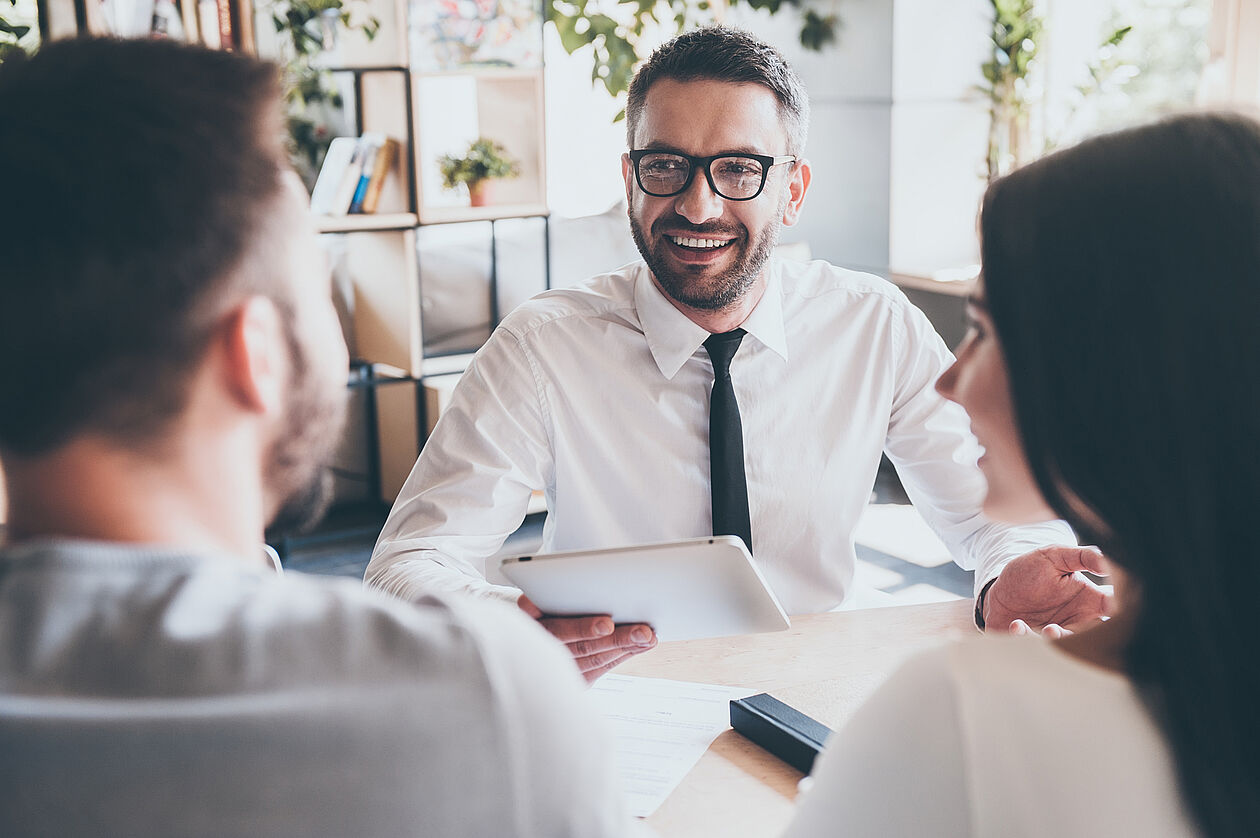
{"points": [[721, 348]]}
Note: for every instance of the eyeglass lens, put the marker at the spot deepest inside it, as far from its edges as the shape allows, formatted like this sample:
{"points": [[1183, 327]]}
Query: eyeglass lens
{"points": [[665, 174]]}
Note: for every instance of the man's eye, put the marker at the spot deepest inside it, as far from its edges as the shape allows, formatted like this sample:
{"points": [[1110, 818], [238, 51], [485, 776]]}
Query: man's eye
{"points": [[738, 169]]}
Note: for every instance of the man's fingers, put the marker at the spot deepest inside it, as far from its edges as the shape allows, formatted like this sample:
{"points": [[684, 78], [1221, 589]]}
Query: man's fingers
{"points": [[1050, 630], [1091, 605], [607, 665], [1073, 559], [1109, 599], [570, 629], [632, 637], [527, 605], [1103, 599]]}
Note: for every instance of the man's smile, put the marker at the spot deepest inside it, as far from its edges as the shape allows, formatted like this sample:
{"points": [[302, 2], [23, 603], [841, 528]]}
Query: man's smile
{"points": [[699, 244]]}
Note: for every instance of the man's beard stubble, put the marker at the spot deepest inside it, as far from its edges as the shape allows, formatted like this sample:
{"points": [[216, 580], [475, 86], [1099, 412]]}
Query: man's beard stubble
{"points": [[727, 288], [296, 466]]}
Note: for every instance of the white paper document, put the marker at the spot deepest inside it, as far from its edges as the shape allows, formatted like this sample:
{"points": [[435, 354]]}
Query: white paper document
{"points": [[660, 729]]}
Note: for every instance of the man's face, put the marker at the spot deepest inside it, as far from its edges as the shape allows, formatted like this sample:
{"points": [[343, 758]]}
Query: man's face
{"points": [[705, 251], [297, 483]]}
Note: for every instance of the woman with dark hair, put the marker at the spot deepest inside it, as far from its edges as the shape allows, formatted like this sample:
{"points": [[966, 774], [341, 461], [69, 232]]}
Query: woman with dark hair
{"points": [[1109, 376]]}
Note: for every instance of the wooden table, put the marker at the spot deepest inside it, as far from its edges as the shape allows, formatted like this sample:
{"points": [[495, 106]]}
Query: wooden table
{"points": [[825, 666]]}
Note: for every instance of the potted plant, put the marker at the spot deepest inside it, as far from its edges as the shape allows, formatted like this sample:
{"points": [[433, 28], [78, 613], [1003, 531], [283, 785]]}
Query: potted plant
{"points": [[483, 161]]}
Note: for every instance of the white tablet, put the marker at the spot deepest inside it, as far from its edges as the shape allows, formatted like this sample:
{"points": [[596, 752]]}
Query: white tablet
{"points": [[701, 587]]}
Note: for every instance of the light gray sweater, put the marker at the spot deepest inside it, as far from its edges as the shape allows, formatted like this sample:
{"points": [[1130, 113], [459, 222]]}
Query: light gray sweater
{"points": [[150, 692]]}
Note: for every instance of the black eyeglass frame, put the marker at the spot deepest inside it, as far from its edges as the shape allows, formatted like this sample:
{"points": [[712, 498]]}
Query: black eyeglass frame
{"points": [[705, 164]]}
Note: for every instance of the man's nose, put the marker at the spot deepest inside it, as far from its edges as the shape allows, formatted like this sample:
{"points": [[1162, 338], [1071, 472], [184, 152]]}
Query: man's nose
{"points": [[698, 203]]}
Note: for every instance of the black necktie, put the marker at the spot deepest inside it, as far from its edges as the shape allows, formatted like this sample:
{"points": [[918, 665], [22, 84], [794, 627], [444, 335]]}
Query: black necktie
{"points": [[727, 485]]}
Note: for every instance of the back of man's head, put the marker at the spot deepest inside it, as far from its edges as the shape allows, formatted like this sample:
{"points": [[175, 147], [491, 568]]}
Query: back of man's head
{"points": [[137, 176], [722, 53]]}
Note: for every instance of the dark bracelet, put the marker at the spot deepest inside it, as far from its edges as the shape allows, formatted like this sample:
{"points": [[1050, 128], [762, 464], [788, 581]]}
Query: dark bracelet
{"points": [[980, 603]]}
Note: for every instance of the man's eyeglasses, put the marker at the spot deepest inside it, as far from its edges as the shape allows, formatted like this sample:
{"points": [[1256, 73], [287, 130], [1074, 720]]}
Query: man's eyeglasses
{"points": [[736, 177]]}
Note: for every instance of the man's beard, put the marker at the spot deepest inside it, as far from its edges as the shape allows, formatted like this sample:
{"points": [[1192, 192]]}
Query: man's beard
{"points": [[296, 470], [722, 290]]}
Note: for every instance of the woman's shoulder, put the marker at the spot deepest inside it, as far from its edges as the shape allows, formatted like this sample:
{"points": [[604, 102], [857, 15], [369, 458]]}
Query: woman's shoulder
{"points": [[1032, 717]]}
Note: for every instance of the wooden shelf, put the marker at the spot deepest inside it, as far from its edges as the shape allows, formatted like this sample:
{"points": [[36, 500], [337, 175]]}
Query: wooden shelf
{"points": [[445, 364], [959, 288], [454, 215], [362, 68], [370, 222]]}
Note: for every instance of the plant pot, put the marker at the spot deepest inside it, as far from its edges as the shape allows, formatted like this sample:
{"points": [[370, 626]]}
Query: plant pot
{"points": [[479, 193]]}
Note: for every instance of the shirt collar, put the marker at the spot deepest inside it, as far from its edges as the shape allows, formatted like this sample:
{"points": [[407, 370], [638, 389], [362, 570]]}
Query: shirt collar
{"points": [[672, 337]]}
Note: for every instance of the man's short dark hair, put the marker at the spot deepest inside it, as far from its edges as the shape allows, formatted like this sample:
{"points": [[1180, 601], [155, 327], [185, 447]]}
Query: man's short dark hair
{"points": [[136, 177], [721, 53]]}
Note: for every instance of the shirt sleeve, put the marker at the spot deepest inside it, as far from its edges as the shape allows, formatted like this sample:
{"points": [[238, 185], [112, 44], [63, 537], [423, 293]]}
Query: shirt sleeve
{"points": [[897, 767], [930, 442], [565, 782], [471, 486]]}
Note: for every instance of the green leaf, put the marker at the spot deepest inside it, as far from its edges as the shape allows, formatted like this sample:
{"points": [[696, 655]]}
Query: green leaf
{"points": [[1118, 36], [603, 25], [569, 37], [817, 31]]}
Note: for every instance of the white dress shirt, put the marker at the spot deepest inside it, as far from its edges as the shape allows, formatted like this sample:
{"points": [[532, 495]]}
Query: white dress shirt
{"points": [[144, 691], [997, 737], [599, 396]]}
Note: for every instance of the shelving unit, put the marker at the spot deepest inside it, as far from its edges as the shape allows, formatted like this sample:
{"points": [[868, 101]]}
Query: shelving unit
{"points": [[431, 108], [378, 222]]}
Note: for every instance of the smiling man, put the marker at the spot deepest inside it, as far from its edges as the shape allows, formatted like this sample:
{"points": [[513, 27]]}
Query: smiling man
{"points": [[711, 388]]}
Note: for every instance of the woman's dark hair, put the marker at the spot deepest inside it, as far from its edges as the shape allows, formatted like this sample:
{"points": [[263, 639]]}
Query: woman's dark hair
{"points": [[1123, 279]]}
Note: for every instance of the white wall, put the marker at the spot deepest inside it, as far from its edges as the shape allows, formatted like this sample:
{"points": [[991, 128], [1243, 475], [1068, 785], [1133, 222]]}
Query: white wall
{"points": [[939, 134], [584, 147]]}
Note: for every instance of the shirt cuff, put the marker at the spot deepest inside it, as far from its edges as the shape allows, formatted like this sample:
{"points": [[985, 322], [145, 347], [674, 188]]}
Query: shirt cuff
{"points": [[979, 615]]}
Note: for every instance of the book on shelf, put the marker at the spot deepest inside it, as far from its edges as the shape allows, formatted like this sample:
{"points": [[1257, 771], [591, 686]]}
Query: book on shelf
{"points": [[166, 21], [348, 181], [137, 19], [243, 24], [208, 23], [370, 149], [353, 173], [219, 24], [188, 13], [385, 158], [227, 36], [336, 165]]}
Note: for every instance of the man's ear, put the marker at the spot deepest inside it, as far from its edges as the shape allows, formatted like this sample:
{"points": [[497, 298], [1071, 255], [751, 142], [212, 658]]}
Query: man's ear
{"points": [[798, 185], [255, 355]]}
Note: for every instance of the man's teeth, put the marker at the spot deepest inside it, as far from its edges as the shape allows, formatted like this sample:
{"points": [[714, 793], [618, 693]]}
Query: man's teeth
{"points": [[700, 243]]}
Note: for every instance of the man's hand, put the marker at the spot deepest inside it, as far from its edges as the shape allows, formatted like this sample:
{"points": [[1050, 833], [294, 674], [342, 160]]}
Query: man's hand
{"points": [[1046, 588], [1052, 631], [595, 643]]}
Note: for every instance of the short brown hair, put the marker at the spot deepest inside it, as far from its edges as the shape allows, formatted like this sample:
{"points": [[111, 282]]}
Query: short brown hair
{"points": [[722, 53], [139, 173]]}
